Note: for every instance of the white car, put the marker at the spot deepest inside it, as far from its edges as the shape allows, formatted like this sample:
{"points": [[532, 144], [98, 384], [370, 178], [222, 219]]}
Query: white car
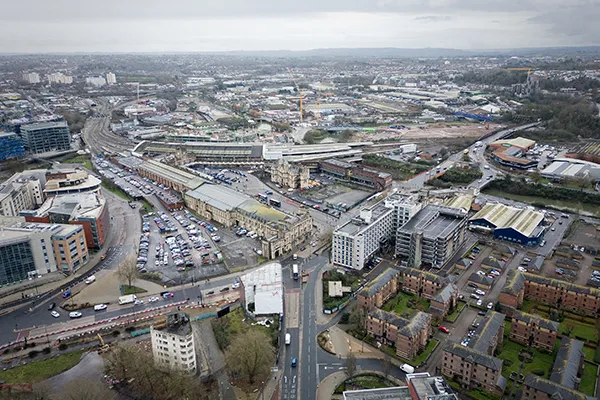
{"points": [[55, 314], [479, 302], [75, 314], [153, 299], [490, 305], [99, 307], [235, 285], [139, 301], [480, 292], [481, 273], [522, 269]]}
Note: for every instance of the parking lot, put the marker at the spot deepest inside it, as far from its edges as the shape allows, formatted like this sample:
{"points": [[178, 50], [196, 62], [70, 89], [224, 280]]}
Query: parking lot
{"points": [[331, 198]]}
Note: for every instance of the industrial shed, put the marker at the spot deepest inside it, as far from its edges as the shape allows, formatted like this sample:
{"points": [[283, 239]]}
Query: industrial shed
{"points": [[517, 225]]}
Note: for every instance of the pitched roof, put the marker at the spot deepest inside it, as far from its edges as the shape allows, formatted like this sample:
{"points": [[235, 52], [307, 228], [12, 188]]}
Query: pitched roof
{"points": [[425, 274], [380, 281], [473, 356], [482, 279], [531, 318], [553, 388], [515, 282], [566, 365], [571, 287], [501, 216], [487, 330], [446, 293], [406, 327]]}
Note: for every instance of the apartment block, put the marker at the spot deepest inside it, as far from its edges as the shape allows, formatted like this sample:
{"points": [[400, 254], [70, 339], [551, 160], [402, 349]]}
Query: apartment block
{"points": [[489, 335], [11, 146], [445, 300], [533, 331], [432, 236], [408, 336], [380, 290], [359, 239], [422, 283], [173, 344], [46, 137], [553, 292], [22, 191]]}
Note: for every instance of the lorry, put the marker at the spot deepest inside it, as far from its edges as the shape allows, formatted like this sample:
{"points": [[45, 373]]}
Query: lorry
{"points": [[127, 299], [295, 271]]}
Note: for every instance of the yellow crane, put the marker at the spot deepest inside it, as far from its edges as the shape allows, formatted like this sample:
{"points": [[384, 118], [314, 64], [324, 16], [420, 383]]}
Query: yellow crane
{"points": [[528, 69], [104, 347], [300, 95]]}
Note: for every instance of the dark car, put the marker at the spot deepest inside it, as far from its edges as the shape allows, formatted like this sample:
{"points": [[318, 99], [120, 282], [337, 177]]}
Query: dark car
{"points": [[51, 306], [210, 292], [225, 289]]}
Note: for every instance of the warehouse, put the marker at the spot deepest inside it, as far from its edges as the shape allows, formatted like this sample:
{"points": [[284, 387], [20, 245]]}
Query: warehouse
{"points": [[523, 226], [568, 168], [510, 152]]}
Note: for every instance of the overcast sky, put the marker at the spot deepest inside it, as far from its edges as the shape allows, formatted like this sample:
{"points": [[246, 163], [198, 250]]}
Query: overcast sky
{"points": [[201, 25]]}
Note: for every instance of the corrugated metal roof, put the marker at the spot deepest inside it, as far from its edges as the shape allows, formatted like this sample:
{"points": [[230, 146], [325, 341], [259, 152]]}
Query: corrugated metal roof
{"points": [[502, 216]]}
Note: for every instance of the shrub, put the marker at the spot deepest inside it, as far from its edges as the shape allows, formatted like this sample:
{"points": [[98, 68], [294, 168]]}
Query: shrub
{"points": [[507, 363], [63, 346], [116, 333], [130, 329], [538, 372], [46, 350], [33, 353]]}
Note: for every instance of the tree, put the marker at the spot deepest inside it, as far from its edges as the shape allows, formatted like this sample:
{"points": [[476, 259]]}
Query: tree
{"points": [[250, 355], [350, 365], [387, 365], [358, 317], [569, 328], [127, 271], [85, 390]]}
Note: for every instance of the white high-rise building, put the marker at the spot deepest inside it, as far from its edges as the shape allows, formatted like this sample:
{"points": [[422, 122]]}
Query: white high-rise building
{"points": [[31, 77], [173, 345], [95, 81], [357, 241], [60, 78], [111, 79]]}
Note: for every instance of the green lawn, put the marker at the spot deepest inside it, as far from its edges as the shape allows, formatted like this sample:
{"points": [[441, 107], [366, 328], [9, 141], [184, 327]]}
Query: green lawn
{"points": [[85, 160], [510, 351], [406, 304], [588, 379], [581, 330], [116, 191], [132, 290], [420, 359], [589, 353], [454, 315], [38, 371]]}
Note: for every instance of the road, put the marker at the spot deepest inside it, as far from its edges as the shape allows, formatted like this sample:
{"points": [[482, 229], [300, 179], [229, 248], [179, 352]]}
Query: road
{"points": [[96, 133]]}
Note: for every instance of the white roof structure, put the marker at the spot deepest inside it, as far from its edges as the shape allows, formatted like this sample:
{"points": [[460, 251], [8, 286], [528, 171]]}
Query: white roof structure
{"points": [[264, 288]]}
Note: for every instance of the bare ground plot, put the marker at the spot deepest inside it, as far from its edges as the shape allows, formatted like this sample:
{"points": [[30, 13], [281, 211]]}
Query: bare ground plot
{"points": [[431, 131], [583, 234], [238, 251], [335, 194]]}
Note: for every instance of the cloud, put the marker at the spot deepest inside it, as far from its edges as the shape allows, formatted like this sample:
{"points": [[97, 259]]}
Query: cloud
{"points": [[434, 18]]}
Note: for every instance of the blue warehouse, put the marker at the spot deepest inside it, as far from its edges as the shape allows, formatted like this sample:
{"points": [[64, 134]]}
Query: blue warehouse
{"points": [[523, 226]]}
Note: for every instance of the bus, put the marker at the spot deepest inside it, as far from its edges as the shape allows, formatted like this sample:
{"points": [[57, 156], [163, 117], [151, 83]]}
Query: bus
{"points": [[275, 202], [295, 271], [262, 197]]}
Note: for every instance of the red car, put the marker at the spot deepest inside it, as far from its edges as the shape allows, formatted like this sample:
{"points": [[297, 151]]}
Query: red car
{"points": [[444, 329]]}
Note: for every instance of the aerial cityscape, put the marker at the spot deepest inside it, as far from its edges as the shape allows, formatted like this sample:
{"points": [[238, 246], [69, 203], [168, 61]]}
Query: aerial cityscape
{"points": [[300, 217]]}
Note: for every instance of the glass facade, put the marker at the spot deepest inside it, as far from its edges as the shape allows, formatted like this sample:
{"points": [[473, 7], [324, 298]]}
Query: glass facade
{"points": [[16, 260]]}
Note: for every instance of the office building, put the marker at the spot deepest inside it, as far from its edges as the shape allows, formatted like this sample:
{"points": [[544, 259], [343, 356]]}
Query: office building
{"points": [[289, 175], [86, 209], [359, 239], [356, 174], [261, 290], [173, 344], [279, 232], [408, 336], [31, 77], [71, 182], [533, 331], [432, 236], [96, 81], [59, 78], [46, 137], [11, 146], [111, 79], [22, 191]]}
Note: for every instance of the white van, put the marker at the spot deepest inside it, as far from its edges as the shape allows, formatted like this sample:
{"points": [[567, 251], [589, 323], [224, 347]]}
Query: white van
{"points": [[409, 369], [295, 256], [288, 338]]}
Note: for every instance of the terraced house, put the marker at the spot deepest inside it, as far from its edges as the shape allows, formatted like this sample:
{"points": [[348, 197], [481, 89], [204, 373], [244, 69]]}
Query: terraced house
{"points": [[380, 290], [408, 336], [442, 293], [548, 291], [533, 331]]}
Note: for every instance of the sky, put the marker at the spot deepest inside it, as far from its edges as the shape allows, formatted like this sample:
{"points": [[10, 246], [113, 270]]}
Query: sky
{"points": [[30, 26]]}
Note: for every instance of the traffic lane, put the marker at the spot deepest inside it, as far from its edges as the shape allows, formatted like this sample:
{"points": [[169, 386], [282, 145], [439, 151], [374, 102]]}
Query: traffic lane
{"points": [[333, 365], [290, 380]]}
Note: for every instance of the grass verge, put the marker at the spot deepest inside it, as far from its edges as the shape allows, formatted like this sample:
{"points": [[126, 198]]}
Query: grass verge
{"points": [[588, 379], [38, 371], [540, 364], [132, 290]]}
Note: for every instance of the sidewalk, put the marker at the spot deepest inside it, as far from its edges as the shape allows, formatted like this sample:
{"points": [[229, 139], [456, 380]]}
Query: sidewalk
{"points": [[327, 386], [106, 289], [344, 343]]}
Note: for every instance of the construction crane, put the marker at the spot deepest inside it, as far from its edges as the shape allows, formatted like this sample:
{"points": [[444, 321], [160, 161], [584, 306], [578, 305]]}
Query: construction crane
{"points": [[528, 69], [300, 95], [104, 347]]}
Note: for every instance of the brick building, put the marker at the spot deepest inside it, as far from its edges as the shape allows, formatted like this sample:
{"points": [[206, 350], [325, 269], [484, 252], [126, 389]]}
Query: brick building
{"points": [[356, 174], [445, 300], [408, 336], [380, 290], [533, 331], [443, 295]]}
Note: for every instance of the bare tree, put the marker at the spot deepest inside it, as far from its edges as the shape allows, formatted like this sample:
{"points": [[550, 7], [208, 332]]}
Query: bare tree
{"points": [[358, 317], [127, 271], [387, 365], [85, 390], [350, 364], [250, 355]]}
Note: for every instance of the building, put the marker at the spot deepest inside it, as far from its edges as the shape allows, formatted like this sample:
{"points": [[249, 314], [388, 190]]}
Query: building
{"points": [[171, 177], [71, 182], [569, 168], [22, 191], [280, 232], [111, 79], [261, 290], [356, 174], [432, 236], [565, 375], [472, 368], [552, 292], [359, 239], [518, 225], [533, 331], [426, 387], [445, 300], [293, 176], [393, 393], [489, 335], [173, 344], [46, 137], [87, 209], [529, 88], [589, 151], [379, 290], [59, 78], [32, 249], [96, 81], [11, 146], [510, 152], [31, 77], [408, 336]]}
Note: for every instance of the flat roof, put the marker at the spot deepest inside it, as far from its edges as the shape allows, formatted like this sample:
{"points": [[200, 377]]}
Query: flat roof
{"points": [[517, 142], [434, 221], [44, 125], [394, 393], [355, 226]]}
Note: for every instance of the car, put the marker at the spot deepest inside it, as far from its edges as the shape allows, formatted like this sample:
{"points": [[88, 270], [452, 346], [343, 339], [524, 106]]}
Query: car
{"points": [[474, 296], [472, 285], [479, 302], [294, 362], [167, 295], [481, 273], [210, 292], [490, 305], [235, 285], [442, 328], [55, 314], [153, 299], [66, 294], [100, 307], [553, 229], [482, 313], [559, 271], [75, 314], [225, 289], [52, 305], [526, 259], [522, 269], [314, 244], [504, 259], [495, 272], [480, 292], [139, 301]]}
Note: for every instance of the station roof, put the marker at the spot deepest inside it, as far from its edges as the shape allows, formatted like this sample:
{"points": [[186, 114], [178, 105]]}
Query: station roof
{"points": [[176, 175]]}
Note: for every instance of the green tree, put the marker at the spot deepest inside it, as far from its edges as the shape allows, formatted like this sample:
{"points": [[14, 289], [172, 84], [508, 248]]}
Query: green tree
{"points": [[250, 355]]}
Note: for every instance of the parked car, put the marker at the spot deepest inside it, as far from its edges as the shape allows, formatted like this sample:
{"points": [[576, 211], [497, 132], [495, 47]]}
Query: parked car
{"points": [[66, 294], [479, 302], [480, 292], [490, 305], [52, 305], [55, 314], [444, 329], [75, 314]]}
